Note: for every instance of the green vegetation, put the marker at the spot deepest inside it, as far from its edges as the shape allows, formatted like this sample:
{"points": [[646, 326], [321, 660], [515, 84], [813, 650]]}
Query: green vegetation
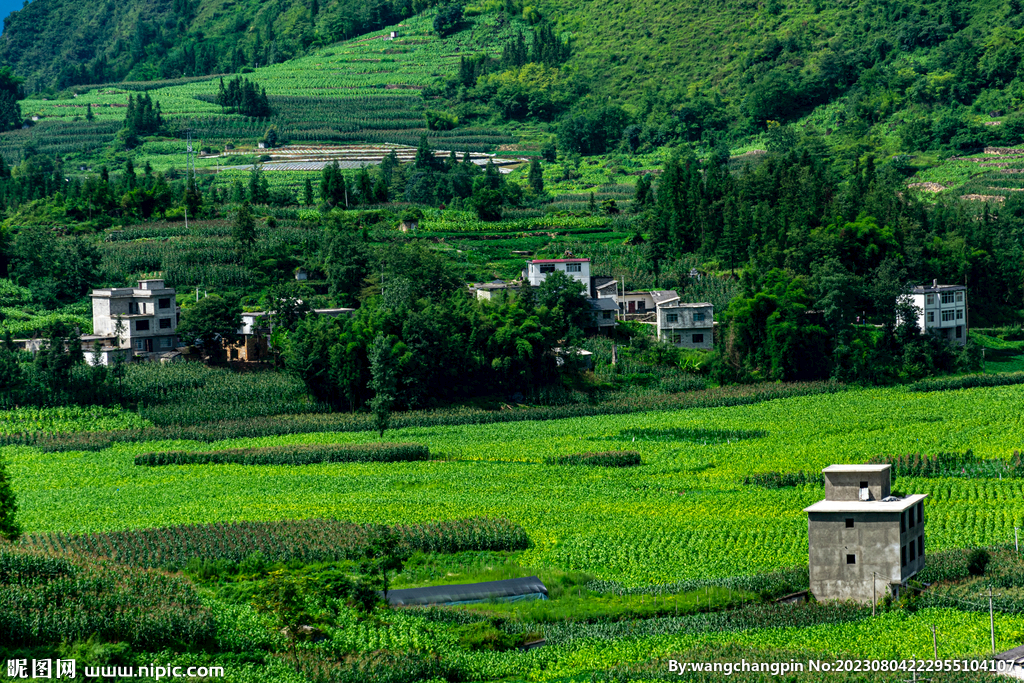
{"points": [[290, 455], [601, 459]]}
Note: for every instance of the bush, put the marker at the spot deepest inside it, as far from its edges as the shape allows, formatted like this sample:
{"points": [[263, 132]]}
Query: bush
{"points": [[777, 480], [978, 561], [304, 454], [603, 459]]}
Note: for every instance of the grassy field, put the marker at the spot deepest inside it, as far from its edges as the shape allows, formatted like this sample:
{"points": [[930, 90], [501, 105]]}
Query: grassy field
{"points": [[683, 514]]}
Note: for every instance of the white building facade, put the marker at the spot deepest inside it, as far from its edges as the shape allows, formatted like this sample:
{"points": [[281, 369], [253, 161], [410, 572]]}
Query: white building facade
{"points": [[577, 268], [143, 319], [942, 309]]}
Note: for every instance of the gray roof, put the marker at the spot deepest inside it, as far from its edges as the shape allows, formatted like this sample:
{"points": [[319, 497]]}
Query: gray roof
{"points": [[606, 304], [663, 296], [1013, 655], [932, 289]]}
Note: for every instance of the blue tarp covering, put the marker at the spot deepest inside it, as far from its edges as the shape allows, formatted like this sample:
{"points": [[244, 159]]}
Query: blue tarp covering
{"points": [[528, 588]]}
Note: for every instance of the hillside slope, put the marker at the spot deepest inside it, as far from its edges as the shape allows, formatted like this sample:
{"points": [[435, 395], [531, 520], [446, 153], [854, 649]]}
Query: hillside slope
{"points": [[59, 43]]}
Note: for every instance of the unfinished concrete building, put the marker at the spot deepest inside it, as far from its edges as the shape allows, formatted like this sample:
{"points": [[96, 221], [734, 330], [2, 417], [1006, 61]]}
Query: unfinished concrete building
{"points": [[864, 543]]}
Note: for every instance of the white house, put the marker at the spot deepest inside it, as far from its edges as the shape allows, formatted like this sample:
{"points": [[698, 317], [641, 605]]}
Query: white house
{"points": [[942, 309], [689, 326], [643, 303], [577, 268], [143, 319]]}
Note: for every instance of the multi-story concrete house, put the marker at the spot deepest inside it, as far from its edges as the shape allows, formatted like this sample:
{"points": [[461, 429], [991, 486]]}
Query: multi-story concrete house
{"points": [[942, 309], [689, 326], [143, 320], [864, 543]]}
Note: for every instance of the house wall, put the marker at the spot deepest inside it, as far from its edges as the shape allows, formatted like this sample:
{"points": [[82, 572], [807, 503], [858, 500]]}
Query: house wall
{"points": [[874, 541], [682, 330], [535, 276], [932, 310], [846, 485]]}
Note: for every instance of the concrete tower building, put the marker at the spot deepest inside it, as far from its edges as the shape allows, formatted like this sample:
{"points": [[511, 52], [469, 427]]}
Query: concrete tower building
{"points": [[863, 542]]}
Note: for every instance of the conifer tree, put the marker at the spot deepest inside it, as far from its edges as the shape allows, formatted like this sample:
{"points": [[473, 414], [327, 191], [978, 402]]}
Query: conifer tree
{"points": [[9, 528]]}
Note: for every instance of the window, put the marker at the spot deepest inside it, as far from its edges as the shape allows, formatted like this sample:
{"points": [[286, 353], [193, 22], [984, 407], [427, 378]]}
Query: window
{"points": [[851, 559], [849, 522], [913, 551], [672, 318], [931, 299], [920, 546], [698, 339], [931, 316], [903, 522], [947, 297], [863, 484], [573, 267], [903, 556], [911, 523], [165, 323], [959, 331], [947, 315], [920, 511], [959, 297], [959, 314], [641, 305], [547, 267], [139, 345], [133, 308], [141, 325], [165, 303], [166, 342], [607, 315], [698, 317]]}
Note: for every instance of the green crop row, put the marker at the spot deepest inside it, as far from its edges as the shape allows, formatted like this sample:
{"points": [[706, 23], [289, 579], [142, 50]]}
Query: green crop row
{"points": [[310, 540], [600, 459], [291, 455]]}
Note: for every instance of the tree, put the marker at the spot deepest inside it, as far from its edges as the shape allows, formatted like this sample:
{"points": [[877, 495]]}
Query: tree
{"points": [[9, 528], [535, 178], [382, 382], [384, 556], [564, 298], [244, 230], [448, 19], [210, 323], [11, 376], [307, 192]]}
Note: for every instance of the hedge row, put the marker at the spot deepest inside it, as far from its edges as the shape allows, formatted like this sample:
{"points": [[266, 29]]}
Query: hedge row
{"points": [[300, 454], [281, 425], [778, 480], [952, 464], [604, 459], [967, 382]]}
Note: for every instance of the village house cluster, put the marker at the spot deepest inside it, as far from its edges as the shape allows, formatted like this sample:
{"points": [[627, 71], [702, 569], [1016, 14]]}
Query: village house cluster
{"points": [[686, 325]]}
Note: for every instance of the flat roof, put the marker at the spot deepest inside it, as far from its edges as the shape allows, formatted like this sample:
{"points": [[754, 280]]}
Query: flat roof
{"points": [[866, 505], [856, 468], [923, 289], [688, 305], [560, 260]]}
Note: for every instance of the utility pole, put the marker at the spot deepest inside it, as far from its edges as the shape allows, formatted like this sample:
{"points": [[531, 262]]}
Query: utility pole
{"points": [[190, 170], [991, 620]]}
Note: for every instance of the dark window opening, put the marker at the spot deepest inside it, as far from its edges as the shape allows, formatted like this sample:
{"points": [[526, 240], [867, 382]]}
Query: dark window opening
{"points": [[911, 523], [141, 325], [698, 339], [920, 511], [913, 551], [165, 303], [903, 522], [165, 323], [903, 556], [920, 546], [863, 484], [851, 559], [849, 522], [547, 267]]}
